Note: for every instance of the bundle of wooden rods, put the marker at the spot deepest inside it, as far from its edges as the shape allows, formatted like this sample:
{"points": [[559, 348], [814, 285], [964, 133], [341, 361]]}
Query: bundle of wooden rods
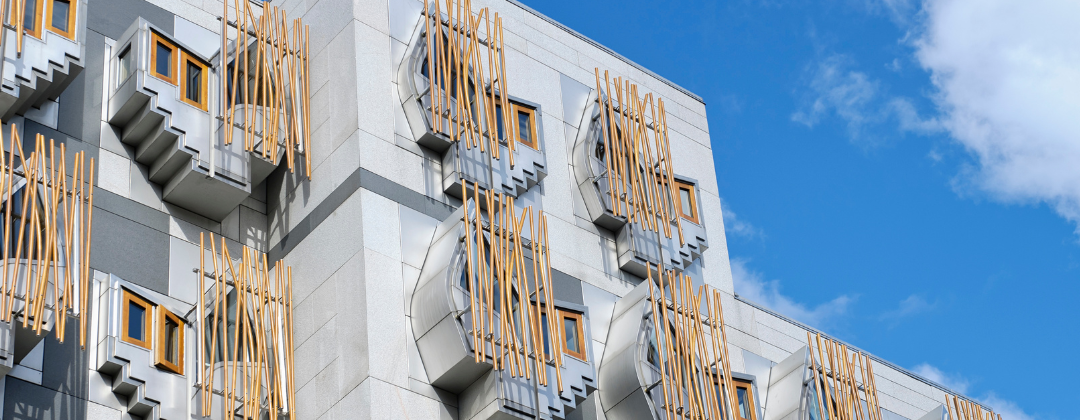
{"points": [[261, 347], [454, 59], [837, 387], [497, 282], [276, 80], [48, 240], [692, 346], [640, 176], [962, 409]]}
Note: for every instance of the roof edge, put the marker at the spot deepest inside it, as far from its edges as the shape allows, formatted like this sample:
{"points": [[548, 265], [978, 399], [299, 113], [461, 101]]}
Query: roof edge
{"points": [[607, 50]]}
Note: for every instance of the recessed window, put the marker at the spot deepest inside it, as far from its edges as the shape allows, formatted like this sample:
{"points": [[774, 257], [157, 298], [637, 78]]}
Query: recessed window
{"points": [[524, 120], [162, 58], [687, 201], [136, 321], [193, 82], [123, 66], [170, 343], [61, 17], [573, 334]]}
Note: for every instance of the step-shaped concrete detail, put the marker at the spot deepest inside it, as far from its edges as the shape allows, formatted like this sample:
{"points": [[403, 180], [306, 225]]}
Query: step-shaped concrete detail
{"points": [[151, 393], [15, 340], [45, 68], [180, 143], [441, 319], [458, 161], [636, 246]]}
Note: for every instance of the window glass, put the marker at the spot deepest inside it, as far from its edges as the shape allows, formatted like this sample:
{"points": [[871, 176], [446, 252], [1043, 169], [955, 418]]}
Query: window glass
{"points": [[744, 402], [653, 355], [194, 82], [30, 15], [60, 11], [524, 123], [123, 68], [136, 321], [571, 326], [686, 202], [172, 341], [226, 330], [163, 66], [499, 122], [544, 326]]}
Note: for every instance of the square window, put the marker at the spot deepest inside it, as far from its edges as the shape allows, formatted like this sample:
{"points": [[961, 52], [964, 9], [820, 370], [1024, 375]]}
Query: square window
{"points": [[61, 17], [193, 82], [162, 58], [170, 343], [136, 321]]}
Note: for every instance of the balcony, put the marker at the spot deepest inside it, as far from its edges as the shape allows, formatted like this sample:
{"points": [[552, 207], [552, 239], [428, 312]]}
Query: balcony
{"points": [[637, 246], [164, 97], [442, 322], [42, 62]]}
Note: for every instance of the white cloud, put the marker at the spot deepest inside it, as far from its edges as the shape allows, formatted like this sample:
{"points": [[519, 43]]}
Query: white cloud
{"points": [[1007, 75], [953, 382], [855, 97], [733, 225], [753, 286], [911, 305], [1007, 409]]}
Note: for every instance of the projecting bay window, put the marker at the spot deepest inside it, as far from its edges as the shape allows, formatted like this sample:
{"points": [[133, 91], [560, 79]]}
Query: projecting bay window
{"points": [[686, 201], [136, 320], [524, 120], [193, 82], [163, 58], [57, 16], [574, 334], [744, 396], [123, 65], [60, 16], [170, 343]]}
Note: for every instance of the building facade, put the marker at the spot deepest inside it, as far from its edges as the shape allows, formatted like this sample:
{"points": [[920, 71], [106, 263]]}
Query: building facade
{"points": [[378, 209]]}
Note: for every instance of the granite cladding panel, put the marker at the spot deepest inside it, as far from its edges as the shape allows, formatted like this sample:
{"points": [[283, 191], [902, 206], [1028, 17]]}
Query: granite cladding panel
{"points": [[111, 17], [80, 104], [131, 251], [27, 401]]}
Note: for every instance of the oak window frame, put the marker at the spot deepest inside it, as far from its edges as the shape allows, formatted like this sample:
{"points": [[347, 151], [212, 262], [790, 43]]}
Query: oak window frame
{"points": [[752, 401], [36, 18], [128, 299], [161, 359], [681, 186], [155, 40], [187, 59], [516, 110], [72, 6], [564, 315]]}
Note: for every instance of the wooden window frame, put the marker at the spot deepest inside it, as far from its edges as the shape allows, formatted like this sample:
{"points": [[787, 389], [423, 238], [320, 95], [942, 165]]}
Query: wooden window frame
{"points": [[70, 33], [155, 38], [148, 319], [749, 387], [36, 32], [160, 360], [563, 316], [515, 108], [186, 58], [679, 185]]}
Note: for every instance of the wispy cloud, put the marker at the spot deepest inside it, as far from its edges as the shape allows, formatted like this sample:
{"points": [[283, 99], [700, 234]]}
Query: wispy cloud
{"points": [[835, 87], [1007, 81], [910, 306], [752, 285], [1006, 408], [954, 382], [735, 226]]}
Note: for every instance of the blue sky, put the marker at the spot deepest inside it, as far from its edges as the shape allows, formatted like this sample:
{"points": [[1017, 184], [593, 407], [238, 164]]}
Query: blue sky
{"points": [[902, 174]]}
